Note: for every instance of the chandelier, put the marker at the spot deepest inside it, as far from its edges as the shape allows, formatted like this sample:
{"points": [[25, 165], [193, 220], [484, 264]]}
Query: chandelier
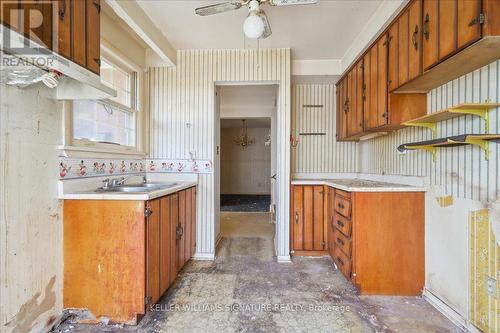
{"points": [[243, 140]]}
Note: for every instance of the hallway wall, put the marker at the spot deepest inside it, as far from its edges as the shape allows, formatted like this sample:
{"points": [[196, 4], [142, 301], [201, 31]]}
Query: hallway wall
{"points": [[248, 170], [182, 120]]}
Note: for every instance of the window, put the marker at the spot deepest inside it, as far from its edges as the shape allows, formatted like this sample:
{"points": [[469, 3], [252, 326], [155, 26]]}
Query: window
{"points": [[111, 121]]}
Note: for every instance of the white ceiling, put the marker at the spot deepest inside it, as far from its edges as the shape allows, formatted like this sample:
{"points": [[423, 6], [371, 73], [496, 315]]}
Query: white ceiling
{"points": [[321, 31]]}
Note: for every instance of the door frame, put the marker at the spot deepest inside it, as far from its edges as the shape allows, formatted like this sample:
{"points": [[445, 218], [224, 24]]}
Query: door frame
{"points": [[283, 167]]}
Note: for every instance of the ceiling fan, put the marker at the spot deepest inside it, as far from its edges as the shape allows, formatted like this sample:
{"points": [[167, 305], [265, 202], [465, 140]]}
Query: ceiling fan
{"points": [[256, 24]]}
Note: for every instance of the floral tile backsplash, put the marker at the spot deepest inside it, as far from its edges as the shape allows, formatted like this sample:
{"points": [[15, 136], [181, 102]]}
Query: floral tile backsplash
{"points": [[79, 168]]}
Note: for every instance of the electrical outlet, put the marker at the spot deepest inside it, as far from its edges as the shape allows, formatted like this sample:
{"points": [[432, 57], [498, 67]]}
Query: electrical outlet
{"points": [[491, 286]]}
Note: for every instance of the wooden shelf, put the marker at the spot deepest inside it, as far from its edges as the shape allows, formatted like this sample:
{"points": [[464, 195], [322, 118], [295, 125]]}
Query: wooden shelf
{"points": [[480, 140], [479, 54], [430, 120]]}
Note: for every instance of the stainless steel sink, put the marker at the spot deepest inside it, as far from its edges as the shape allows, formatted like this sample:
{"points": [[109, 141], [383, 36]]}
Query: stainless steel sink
{"points": [[136, 188]]}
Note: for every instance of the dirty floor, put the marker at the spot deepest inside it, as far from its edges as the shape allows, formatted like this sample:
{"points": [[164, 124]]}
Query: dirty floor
{"points": [[245, 290]]}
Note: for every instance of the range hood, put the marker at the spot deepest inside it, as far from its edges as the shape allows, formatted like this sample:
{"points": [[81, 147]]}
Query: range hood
{"points": [[72, 80]]}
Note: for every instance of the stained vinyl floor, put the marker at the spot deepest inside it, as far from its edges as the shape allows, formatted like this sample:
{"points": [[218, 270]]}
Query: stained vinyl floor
{"points": [[246, 290]]}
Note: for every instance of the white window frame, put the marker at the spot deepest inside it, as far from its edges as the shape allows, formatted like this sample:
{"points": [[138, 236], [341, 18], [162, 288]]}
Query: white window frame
{"points": [[74, 144]]}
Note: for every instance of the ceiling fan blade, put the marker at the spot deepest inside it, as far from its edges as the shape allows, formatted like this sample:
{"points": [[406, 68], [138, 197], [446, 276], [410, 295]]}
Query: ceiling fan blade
{"points": [[267, 27], [292, 2], [218, 8]]}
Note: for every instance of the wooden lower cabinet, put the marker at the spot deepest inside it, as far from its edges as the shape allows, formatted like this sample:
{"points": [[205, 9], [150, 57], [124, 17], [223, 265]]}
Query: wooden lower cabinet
{"points": [[376, 239], [309, 232], [121, 256]]}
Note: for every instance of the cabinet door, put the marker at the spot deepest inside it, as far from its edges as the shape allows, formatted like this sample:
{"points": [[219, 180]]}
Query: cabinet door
{"points": [[469, 26], [366, 90], [187, 228], [330, 221], [341, 107], [392, 69], [358, 125], [351, 102], [93, 27], [403, 48], [373, 97], [429, 31], [181, 244], [165, 240], [298, 218], [63, 28], [10, 14], [193, 222], [382, 115], [415, 38], [153, 252], [318, 230], [78, 42], [174, 223], [447, 27]]}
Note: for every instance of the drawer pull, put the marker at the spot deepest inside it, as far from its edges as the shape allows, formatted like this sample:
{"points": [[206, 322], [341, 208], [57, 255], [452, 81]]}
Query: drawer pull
{"points": [[341, 206], [340, 241], [340, 223], [340, 261]]}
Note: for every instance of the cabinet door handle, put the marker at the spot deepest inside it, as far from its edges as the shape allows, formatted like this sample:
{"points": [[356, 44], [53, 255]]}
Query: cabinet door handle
{"points": [[425, 26], [62, 10], [340, 261], [97, 61], [340, 223], [340, 241], [296, 217], [341, 206], [414, 37]]}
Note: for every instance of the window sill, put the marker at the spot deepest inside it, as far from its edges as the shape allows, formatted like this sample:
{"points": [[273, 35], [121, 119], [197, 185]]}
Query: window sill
{"points": [[98, 152]]}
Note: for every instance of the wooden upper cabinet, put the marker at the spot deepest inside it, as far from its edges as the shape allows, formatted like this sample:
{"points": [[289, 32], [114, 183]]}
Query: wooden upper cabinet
{"points": [[358, 124], [393, 61], [63, 28], [351, 102], [93, 24], [403, 48], [469, 22], [372, 96], [415, 38], [382, 112], [79, 33], [430, 33], [341, 109], [366, 90], [447, 43]]}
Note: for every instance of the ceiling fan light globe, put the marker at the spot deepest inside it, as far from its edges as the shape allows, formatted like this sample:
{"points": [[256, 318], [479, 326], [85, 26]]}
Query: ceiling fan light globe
{"points": [[253, 27]]}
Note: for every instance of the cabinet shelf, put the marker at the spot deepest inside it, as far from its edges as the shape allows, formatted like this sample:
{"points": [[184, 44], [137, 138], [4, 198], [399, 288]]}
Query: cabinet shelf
{"points": [[480, 140], [430, 120]]}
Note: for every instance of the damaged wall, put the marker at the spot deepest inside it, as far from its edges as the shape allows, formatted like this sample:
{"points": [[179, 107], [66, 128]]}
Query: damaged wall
{"points": [[460, 172], [30, 223]]}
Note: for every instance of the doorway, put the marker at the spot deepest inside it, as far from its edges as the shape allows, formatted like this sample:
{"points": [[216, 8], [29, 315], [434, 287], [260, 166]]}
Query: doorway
{"points": [[246, 170]]}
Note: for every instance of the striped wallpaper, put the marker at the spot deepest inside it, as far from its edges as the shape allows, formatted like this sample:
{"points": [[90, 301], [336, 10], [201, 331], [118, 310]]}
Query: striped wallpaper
{"points": [[318, 153], [182, 120], [462, 171]]}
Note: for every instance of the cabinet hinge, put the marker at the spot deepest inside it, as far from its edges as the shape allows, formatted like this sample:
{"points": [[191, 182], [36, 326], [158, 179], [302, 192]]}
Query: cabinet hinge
{"points": [[481, 19], [146, 300], [147, 212]]}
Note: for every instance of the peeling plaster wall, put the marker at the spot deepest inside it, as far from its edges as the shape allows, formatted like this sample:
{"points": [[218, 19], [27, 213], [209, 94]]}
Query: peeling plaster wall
{"points": [[30, 222], [461, 172]]}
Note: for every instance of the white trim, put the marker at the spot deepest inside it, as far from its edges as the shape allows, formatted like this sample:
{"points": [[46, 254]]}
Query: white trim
{"points": [[284, 259], [68, 151], [447, 311], [203, 256]]}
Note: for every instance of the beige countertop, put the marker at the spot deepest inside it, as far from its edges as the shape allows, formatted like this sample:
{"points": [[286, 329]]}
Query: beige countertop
{"points": [[137, 196], [360, 185]]}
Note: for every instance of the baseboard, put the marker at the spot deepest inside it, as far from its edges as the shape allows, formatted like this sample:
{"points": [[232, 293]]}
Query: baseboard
{"points": [[203, 256], [448, 311], [284, 259]]}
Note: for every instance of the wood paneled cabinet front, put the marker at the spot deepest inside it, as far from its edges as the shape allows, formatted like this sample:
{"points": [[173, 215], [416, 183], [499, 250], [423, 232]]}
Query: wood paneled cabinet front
{"points": [[309, 234], [121, 256], [71, 28]]}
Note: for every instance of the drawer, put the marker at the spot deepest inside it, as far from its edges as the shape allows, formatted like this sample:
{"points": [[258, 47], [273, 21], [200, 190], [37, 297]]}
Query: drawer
{"points": [[342, 206], [343, 262], [342, 242], [344, 194], [342, 223]]}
